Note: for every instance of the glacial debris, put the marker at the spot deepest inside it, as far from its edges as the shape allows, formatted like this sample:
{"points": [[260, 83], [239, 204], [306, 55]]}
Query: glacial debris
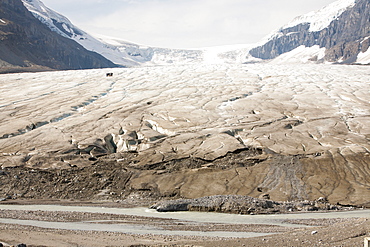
{"points": [[244, 205]]}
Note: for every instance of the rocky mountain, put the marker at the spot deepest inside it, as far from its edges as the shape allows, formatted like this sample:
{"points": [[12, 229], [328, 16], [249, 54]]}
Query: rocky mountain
{"points": [[64, 27], [129, 54], [118, 51], [28, 45], [338, 33]]}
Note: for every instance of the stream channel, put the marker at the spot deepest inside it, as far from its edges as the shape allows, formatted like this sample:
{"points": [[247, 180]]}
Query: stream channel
{"points": [[199, 217]]}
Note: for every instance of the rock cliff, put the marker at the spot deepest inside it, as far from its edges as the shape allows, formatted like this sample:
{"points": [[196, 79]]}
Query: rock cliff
{"points": [[343, 39], [28, 45]]}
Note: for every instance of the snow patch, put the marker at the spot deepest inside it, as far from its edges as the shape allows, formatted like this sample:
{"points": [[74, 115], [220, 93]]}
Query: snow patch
{"points": [[318, 20], [67, 28], [46, 15], [225, 54], [364, 57], [322, 18], [365, 39], [301, 54]]}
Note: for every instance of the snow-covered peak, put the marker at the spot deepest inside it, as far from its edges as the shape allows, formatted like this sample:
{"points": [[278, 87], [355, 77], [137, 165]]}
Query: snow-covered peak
{"points": [[129, 54], [302, 39], [61, 25], [51, 18], [322, 18], [318, 20]]}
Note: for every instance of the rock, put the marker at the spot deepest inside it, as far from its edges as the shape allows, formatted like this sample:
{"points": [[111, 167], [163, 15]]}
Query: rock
{"points": [[172, 206], [31, 45], [322, 200], [235, 204], [311, 208], [265, 196], [342, 38]]}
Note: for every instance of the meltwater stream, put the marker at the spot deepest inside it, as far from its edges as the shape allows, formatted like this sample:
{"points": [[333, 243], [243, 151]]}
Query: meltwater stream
{"points": [[127, 228], [199, 217]]}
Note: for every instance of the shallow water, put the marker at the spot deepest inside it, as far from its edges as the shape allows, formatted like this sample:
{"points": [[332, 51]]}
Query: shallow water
{"points": [[199, 217], [127, 228]]}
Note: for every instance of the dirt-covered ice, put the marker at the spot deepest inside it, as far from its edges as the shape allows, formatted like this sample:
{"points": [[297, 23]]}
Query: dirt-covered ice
{"points": [[199, 110], [318, 115]]}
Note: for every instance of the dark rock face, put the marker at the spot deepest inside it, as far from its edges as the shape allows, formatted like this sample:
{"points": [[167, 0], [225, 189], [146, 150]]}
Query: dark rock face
{"points": [[26, 43], [343, 38]]}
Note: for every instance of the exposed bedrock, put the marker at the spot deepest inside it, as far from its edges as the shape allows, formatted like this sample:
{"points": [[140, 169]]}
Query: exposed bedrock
{"points": [[29, 45], [344, 38]]}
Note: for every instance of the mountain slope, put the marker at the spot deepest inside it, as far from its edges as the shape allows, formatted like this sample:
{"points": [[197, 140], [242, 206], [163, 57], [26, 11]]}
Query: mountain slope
{"points": [[116, 50], [62, 26], [27, 44], [341, 29]]}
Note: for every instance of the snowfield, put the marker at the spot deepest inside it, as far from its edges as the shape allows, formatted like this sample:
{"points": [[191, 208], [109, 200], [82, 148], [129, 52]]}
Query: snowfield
{"points": [[322, 18], [198, 110]]}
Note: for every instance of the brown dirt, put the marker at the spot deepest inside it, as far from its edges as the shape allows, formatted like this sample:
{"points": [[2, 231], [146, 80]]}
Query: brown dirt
{"points": [[245, 172], [107, 182]]}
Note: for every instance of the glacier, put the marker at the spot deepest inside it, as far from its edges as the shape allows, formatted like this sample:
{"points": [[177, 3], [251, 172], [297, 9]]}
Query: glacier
{"points": [[314, 116], [182, 102], [307, 125]]}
